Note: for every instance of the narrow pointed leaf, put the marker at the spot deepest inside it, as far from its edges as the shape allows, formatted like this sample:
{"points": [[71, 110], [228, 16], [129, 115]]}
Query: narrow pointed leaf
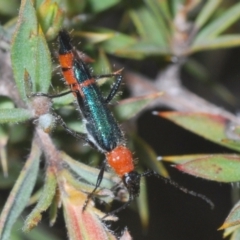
{"points": [[225, 41], [50, 17], [235, 230], [88, 173], [209, 8], [54, 209], [128, 108], [14, 115], [209, 126], [4, 136], [98, 6], [44, 202], [102, 65], [95, 37], [142, 202], [123, 45], [236, 235], [217, 167], [35, 197], [142, 49], [233, 218], [159, 15], [30, 52], [117, 43], [220, 24], [20, 193], [104, 194], [150, 28], [164, 6], [3, 159]]}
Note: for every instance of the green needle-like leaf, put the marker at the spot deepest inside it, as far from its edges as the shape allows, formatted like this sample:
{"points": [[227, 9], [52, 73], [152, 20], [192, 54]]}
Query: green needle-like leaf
{"points": [[29, 52], [20, 193], [14, 115], [209, 126], [233, 218], [88, 173], [142, 202], [44, 202], [207, 11], [53, 211], [159, 14], [164, 7], [234, 230], [215, 167], [143, 49], [236, 234], [149, 29], [117, 43], [225, 41], [128, 108], [98, 6], [220, 24]]}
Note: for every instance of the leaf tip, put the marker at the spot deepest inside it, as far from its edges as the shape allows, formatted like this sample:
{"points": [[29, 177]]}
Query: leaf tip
{"points": [[162, 114], [31, 223], [179, 167], [225, 225]]}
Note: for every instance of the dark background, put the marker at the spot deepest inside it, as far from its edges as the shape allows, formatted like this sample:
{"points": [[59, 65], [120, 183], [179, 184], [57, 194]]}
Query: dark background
{"points": [[174, 214]]}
